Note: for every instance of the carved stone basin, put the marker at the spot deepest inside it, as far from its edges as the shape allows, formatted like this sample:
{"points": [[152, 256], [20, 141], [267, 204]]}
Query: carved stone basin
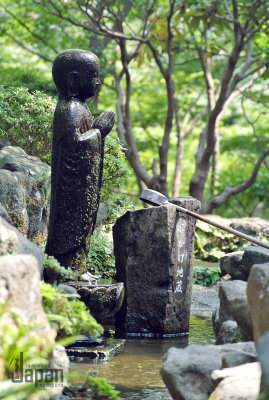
{"points": [[102, 300]]}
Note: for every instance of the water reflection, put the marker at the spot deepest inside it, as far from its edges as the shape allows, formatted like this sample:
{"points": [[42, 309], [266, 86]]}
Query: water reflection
{"points": [[135, 371]]}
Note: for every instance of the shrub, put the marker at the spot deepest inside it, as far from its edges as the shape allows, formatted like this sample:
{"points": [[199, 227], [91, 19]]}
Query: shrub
{"points": [[16, 336], [115, 176], [26, 120], [70, 318], [101, 258], [206, 276]]}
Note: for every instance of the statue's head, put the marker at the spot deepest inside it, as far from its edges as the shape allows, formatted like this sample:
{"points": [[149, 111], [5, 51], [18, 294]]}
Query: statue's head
{"points": [[76, 73]]}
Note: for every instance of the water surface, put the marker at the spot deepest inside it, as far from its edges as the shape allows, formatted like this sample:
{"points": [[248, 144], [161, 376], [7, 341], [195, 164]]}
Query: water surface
{"points": [[135, 371]]}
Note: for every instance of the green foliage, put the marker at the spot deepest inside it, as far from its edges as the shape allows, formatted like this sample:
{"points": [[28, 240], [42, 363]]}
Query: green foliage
{"points": [[70, 317], [55, 273], [211, 243], [101, 258], [262, 396], [206, 276], [115, 176], [9, 391], [101, 389], [26, 120], [19, 69], [16, 336], [200, 24]]}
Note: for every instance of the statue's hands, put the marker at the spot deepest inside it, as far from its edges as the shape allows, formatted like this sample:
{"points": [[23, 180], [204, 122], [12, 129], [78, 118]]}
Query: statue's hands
{"points": [[104, 122], [85, 125]]}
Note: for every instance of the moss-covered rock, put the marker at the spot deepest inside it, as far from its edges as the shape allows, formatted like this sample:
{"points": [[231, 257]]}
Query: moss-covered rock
{"points": [[25, 191]]}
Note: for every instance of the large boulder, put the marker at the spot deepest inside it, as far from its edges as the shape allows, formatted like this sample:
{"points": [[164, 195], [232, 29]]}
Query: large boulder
{"points": [[251, 226], [263, 353], [20, 290], [237, 383], [232, 321], [238, 264], [258, 298], [25, 191], [187, 372], [9, 241], [4, 214], [254, 255], [13, 242]]}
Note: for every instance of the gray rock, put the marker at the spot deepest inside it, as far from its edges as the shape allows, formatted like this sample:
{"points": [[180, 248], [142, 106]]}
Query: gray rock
{"points": [[232, 264], [254, 255], [251, 226], [8, 239], [187, 372], [102, 214], [25, 190], [13, 195], [263, 353], [237, 383], [13, 242], [19, 276], [13, 158], [233, 307], [229, 332], [67, 289], [4, 214], [258, 298], [242, 353], [154, 249]]}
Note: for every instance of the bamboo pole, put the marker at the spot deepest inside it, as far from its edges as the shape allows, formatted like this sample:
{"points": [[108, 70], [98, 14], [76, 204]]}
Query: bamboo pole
{"points": [[157, 199]]}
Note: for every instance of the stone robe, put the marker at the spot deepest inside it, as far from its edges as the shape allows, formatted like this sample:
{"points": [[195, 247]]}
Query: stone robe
{"points": [[77, 165]]}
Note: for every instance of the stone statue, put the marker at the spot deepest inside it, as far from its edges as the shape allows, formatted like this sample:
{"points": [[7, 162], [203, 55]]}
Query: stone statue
{"points": [[77, 159]]}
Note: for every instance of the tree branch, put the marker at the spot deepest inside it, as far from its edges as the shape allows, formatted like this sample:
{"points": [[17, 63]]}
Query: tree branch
{"points": [[29, 49], [25, 26], [252, 124], [132, 153], [179, 152], [232, 191], [195, 121]]}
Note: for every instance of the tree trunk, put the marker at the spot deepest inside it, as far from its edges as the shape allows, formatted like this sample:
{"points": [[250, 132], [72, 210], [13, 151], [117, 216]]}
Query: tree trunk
{"points": [[215, 164], [179, 153]]}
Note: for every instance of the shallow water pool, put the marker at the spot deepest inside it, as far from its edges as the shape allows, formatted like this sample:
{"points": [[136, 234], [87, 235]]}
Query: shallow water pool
{"points": [[135, 371]]}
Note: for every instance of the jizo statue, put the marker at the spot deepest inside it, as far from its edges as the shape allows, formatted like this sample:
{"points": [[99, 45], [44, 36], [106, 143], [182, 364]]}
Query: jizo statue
{"points": [[77, 159]]}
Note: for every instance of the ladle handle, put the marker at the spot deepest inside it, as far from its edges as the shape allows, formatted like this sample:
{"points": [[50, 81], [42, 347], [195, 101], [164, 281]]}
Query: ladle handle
{"points": [[223, 227]]}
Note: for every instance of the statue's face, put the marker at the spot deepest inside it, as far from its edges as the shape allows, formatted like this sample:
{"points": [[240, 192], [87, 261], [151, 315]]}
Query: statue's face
{"points": [[89, 79], [76, 73]]}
